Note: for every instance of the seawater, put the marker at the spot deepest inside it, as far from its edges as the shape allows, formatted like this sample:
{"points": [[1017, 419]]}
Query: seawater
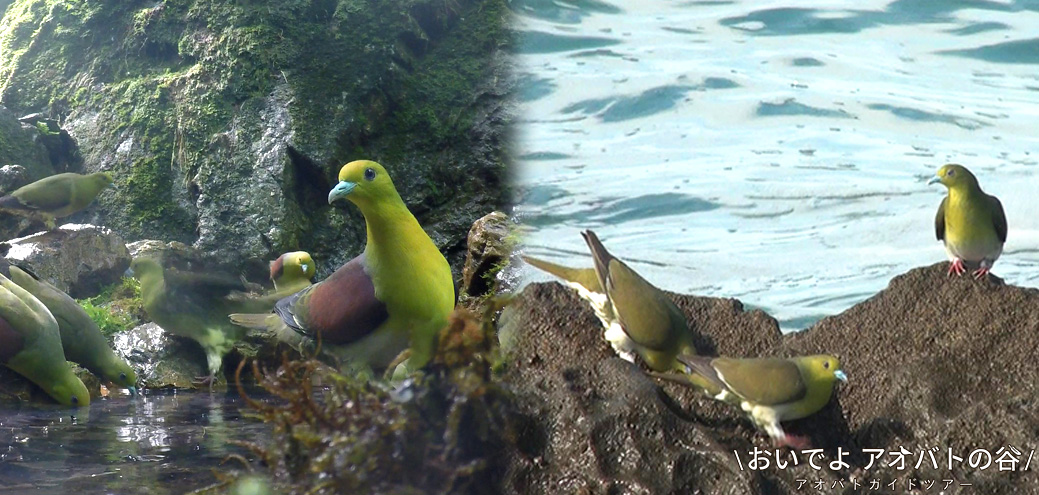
{"points": [[158, 443], [775, 152]]}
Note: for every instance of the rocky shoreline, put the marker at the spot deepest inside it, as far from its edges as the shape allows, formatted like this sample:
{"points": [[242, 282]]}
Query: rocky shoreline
{"points": [[933, 362]]}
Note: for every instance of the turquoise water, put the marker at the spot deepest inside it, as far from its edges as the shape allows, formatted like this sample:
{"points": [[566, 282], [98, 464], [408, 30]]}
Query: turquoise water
{"points": [[159, 443], [773, 152]]}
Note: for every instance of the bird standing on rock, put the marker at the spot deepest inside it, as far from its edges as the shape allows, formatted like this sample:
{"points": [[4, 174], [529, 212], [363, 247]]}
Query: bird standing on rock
{"points": [[769, 390], [399, 289], [971, 223], [81, 339], [638, 317], [31, 345], [56, 196]]}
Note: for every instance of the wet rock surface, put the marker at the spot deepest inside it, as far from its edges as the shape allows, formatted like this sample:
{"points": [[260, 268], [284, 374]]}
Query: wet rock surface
{"points": [[487, 250], [19, 146], [160, 359], [76, 258], [12, 177], [932, 361]]}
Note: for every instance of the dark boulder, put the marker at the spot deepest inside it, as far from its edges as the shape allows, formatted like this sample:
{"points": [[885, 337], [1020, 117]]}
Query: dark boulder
{"points": [[933, 362]]}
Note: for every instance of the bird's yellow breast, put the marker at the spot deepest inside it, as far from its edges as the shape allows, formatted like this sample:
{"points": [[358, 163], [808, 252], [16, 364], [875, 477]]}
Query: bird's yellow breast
{"points": [[409, 273], [969, 230]]}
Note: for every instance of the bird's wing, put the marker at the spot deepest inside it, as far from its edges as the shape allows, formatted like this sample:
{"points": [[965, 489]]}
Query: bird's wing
{"points": [[643, 310], [11, 340], [701, 365], [277, 267], [24, 314], [939, 220], [206, 285], [342, 308], [999, 218], [762, 381], [699, 373], [47, 195]]}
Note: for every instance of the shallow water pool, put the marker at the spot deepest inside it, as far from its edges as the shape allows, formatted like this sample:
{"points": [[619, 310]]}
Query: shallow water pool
{"points": [[157, 443]]}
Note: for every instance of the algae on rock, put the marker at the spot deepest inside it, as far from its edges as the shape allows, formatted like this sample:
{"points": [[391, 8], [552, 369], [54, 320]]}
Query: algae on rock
{"points": [[226, 122]]}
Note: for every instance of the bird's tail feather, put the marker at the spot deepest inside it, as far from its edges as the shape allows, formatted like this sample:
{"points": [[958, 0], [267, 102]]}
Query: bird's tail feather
{"points": [[250, 320], [563, 272], [272, 324], [600, 256]]}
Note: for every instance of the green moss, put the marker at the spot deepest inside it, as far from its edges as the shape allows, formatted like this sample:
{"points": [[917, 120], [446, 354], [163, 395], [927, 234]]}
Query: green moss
{"points": [[118, 307], [170, 83], [436, 103], [106, 320]]}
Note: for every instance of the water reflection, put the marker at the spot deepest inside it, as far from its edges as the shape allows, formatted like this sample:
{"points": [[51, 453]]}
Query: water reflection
{"points": [[162, 442]]}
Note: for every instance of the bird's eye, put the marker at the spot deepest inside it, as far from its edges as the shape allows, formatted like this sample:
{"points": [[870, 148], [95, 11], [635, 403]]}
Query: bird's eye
{"points": [[75, 400], [826, 364], [369, 174], [122, 376], [950, 173]]}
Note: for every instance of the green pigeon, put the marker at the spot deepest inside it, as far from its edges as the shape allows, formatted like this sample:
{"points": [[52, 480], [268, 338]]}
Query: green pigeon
{"points": [[769, 390], [56, 196], [31, 345], [81, 339], [191, 305], [399, 291], [290, 273], [971, 223], [638, 317]]}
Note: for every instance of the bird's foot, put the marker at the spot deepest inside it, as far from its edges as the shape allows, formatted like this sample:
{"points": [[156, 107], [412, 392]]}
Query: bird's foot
{"points": [[392, 371], [980, 273], [956, 266], [792, 441], [204, 380]]}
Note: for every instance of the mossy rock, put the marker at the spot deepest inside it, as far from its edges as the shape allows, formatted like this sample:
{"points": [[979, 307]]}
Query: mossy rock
{"points": [[226, 122]]}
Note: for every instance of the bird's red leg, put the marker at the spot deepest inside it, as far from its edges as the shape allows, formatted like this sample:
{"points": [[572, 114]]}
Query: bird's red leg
{"points": [[793, 441], [956, 266], [981, 273]]}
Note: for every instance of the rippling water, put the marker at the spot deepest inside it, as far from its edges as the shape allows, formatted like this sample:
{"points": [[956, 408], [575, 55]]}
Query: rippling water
{"points": [[776, 152], [161, 443]]}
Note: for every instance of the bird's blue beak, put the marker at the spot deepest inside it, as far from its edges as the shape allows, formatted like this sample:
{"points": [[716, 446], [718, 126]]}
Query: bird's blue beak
{"points": [[934, 180], [839, 374], [128, 273], [133, 391], [303, 266], [341, 190]]}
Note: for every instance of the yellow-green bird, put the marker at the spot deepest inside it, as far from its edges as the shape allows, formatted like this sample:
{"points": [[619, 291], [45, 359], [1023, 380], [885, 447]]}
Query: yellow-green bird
{"points": [[398, 291], [290, 273], [638, 317], [971, 223], [769, 390], [191, 305], [81, 338], [56, 196], [31, 345]]}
